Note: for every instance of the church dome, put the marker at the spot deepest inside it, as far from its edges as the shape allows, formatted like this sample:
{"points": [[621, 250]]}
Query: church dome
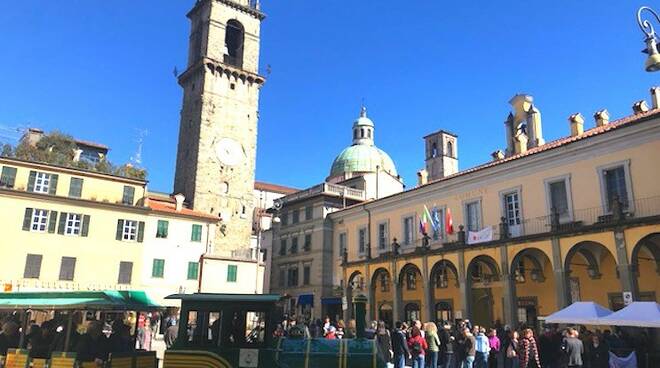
{"points": [[362, 156]]}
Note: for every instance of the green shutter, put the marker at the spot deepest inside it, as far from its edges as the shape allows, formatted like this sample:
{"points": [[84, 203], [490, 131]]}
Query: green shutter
{"points": [[158, 268], [85, 225], [75, 187], [31, 179], [140, 235], [231, 273], [193, 270], [129, 195], [52, 221], [27, 219], [120, 229], [52, 186], [161, 231], [8, 177], [62, 226], [196, 233]]}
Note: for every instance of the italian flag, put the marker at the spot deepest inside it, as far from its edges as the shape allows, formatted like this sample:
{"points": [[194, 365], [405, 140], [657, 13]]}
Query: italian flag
{"points": [[425, 221]]}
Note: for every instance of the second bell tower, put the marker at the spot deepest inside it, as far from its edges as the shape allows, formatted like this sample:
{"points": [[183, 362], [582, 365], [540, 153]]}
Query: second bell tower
{"points": [[218, 130]]}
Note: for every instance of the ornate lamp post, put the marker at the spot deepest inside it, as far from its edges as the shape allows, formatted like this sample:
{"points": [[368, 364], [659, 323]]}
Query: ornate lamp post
{"points": [[652, 63]]}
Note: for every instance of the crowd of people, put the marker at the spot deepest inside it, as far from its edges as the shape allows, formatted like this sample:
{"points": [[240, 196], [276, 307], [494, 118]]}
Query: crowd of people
{"points": [[464, 345], [92, 341]]}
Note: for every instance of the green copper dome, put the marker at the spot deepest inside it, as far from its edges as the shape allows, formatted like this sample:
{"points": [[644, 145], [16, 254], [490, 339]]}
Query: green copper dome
{"points": [[362, 156]]}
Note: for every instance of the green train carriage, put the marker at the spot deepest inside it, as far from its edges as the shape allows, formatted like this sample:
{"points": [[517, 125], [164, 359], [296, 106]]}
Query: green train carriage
{"points": [[236, 331]]}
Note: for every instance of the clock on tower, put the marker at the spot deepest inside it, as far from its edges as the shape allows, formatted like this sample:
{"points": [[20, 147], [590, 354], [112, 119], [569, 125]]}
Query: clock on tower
{"points": [[218, 129]]}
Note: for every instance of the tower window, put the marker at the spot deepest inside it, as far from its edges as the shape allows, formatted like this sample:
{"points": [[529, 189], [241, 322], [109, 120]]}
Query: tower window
{"points": [[434, 150], [232, 86], [361, 133], [355, 134], [369, 133], [450, 149], [234, 39]]}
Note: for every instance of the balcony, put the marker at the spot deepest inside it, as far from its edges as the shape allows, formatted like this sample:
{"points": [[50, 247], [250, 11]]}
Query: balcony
{"points": [[326, 189]]}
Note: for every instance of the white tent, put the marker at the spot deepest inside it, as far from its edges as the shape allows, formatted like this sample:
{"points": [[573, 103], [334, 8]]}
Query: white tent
{"points": [[580, 313], [636, 314]]}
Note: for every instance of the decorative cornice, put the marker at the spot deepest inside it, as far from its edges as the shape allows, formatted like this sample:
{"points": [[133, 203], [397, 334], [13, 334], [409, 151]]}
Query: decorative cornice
{"points": [[218, 67], [246, 9]]}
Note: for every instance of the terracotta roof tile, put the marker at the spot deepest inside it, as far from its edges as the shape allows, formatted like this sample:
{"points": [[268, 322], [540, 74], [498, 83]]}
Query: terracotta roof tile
{"points": [[169, 207], [268, 187]]}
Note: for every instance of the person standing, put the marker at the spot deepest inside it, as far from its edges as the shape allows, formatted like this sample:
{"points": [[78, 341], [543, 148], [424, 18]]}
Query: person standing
{"points": [[482, 349], [597, 353], [529, 352], [433, 342], [400, 346], [384, 341], [469, 346], [574, 349], [511, 348], [417, 345], [447, 346], [494, 343]]}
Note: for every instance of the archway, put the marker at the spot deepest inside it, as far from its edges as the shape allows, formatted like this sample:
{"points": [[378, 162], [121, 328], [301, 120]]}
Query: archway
{"points": [[355, 286], [445, 291], [532, 275], [412, 312], [411, 284], [646, 264], [485, 291], [592, 275], [234, 41], [381, 296]]}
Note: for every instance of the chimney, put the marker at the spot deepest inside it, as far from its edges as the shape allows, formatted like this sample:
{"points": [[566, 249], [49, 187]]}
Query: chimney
{"points": [[497, 155], [655, 97], [179, 198], [422, 177], [577, 124], [640, 107], [602, 117]]}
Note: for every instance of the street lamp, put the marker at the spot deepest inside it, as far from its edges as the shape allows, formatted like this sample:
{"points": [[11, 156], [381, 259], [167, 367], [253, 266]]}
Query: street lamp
{"points": [[652, 63]]}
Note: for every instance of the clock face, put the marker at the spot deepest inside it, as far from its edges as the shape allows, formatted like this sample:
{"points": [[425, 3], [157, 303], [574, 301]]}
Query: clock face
{"points": [[230, 152]]}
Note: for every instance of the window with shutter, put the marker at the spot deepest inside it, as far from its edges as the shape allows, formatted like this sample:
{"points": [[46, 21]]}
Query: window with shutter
{"points": [[473, 215], [342, 243], [283, 247], [382, 236], [75, 187], [306, 274], [615, 186], [196, 233], [294, 245], [362, 240], [158, 268], [408, 232], [232, 272], [32, 266], [558, 197], [41, 182], [8, 177], [129, 230], [161, 231], [308, 243], [193, 270], [73, 224], [67, 268], [125, 272], [39, 220], [129, 195], [309, 213]]}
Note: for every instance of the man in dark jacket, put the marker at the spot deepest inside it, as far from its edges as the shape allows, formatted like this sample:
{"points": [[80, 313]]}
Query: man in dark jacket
{"points": [[400, 346], [9, 337], [93, 345]]}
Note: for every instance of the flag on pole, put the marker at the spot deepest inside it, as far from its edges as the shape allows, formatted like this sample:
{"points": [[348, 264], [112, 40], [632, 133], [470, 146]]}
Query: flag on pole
{"points": [[435, 220], [449, 224], [425, 221]]}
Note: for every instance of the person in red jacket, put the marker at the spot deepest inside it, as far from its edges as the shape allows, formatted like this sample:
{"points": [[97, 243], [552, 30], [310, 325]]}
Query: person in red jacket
{"points": [[417, 345]]}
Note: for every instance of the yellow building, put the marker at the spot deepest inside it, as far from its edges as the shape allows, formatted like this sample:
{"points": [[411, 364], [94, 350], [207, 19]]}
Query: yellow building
{"points": [[539, 226], [71, 229]]}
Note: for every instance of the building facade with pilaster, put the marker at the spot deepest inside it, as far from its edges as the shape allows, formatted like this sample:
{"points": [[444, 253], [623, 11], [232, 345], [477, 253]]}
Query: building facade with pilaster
{"points": [[517, 238]]}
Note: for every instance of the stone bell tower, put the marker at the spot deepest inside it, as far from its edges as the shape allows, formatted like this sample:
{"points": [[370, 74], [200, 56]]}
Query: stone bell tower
{"points": [[218, 130]]}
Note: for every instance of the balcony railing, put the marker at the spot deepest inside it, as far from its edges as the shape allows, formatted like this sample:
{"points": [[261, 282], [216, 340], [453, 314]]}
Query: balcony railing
{"points": [[578, 220], [329, 189]]}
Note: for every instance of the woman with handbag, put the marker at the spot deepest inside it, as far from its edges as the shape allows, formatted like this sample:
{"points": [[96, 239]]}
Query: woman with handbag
{"points": [[511, 359]]}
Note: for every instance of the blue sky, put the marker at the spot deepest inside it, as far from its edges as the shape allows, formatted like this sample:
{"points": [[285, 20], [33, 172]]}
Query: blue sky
{"points": [[101, 70]]}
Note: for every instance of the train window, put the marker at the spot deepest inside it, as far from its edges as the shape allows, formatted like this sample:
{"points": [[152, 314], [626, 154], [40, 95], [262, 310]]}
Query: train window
{"points": [[247, 328], [213, 333], [194, 333]]}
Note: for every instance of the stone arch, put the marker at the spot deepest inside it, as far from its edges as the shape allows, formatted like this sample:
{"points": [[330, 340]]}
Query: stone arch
{"points": [[356, 280], [234, 43], [407, 269], [645, 261], [484, 291], [534, 291], [591, 272], [380, 293], [441, 267]]}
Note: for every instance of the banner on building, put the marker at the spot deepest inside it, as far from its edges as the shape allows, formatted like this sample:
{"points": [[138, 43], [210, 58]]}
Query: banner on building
{"points": [[483, 235]]}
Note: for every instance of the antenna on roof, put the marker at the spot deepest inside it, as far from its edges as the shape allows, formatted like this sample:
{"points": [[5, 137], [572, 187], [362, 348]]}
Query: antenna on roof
{"points": [[137, 159], [11, 134]]}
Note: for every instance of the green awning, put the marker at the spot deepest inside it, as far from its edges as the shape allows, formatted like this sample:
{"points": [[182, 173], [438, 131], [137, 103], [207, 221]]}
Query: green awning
{"points": [[88, 300]]}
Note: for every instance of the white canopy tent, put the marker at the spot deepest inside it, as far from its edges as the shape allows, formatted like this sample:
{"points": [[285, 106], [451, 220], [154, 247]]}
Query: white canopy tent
{"points": [[636, 314], [580, 313]]}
